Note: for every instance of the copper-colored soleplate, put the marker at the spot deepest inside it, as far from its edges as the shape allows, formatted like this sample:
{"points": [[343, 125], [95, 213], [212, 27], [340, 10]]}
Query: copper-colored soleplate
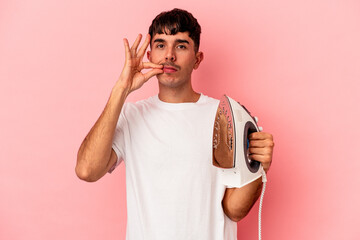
{"points": [[223, 136]]}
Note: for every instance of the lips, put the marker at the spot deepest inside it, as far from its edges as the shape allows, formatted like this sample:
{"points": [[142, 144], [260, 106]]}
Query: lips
{"points": [[169, 69]]}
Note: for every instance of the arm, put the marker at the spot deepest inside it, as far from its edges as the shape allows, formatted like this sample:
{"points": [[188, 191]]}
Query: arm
{"points": [[95, 156], [237, 202]]}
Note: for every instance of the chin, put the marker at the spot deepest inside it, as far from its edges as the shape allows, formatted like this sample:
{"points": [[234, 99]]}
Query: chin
{"points": [[169, 84], [169, 81]]}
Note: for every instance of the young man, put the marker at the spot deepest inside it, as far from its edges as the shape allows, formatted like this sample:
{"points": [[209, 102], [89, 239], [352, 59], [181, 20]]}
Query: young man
{"points": [[173, 191]]}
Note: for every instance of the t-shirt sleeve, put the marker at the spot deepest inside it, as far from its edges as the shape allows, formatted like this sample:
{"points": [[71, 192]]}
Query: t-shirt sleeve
{"points": [[118, 144]]}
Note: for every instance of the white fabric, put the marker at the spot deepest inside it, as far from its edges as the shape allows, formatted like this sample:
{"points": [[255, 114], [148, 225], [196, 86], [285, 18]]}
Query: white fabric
{"points": [[173, 190]]}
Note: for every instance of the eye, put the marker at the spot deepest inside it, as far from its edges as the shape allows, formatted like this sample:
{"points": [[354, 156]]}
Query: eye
{"points": [[160, 45], [181, 46]]}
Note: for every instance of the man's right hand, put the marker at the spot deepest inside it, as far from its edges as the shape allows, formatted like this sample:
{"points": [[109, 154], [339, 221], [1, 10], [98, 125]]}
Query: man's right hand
{"points": [[96, 156], [131, 77]]}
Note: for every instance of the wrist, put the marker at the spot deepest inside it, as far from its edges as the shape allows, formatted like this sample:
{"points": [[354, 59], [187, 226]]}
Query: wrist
{"points": [[119, 93], [121, 88]]}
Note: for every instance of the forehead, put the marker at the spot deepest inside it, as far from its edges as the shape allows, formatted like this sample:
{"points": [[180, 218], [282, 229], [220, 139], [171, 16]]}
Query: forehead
{"points": [[173, 38]]}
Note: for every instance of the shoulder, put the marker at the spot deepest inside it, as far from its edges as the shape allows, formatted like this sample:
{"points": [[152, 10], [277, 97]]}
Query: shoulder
{"points": [[138, 106], [209, 100]]}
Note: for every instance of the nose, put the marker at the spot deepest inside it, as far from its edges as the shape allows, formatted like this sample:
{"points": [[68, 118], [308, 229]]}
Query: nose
{"points": [[170, 55]]}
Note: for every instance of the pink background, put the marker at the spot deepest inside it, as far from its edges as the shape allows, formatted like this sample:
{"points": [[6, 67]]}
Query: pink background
{"points": [[294, 64]]}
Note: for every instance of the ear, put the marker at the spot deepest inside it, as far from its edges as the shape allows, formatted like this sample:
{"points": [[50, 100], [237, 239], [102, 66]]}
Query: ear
{"points": [[199, 57], [148, 55]]}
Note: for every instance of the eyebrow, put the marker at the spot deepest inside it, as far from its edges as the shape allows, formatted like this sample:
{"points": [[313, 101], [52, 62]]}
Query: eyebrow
{"points": [[182, 41], [177, 40]]}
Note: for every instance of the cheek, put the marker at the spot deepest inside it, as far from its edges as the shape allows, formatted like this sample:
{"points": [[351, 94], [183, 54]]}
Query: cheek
{"points": [[190, 63], [154, 57], [151, 58]]}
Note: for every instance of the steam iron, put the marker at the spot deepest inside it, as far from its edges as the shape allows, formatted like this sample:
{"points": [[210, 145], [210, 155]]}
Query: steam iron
{"points": [[232, 126]]}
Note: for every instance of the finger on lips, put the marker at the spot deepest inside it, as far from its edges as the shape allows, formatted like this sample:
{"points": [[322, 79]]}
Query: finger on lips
{"points": [[152, 65], [152, 73]]}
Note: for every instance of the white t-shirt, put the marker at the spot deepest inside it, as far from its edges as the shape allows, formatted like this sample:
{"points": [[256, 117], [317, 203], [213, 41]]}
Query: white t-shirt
{"points": [[173, 190]]}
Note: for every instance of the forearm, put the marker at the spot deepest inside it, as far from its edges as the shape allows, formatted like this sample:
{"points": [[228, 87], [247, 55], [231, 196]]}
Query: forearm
{"points": [[94, 153], [238, 202]]}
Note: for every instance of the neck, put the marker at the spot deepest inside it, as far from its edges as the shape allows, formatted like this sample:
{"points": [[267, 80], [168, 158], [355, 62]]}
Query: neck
{"points": [[178, 95]]}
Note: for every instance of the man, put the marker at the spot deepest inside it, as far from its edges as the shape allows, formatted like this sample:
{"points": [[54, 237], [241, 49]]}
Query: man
{"points": [[173, 191]]}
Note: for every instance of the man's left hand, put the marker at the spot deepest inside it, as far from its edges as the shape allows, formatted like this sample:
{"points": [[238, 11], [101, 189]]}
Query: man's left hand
{"points": [[261, 148]]}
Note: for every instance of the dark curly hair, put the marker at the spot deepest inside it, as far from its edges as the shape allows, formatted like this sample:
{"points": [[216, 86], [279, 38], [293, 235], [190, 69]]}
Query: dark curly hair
{"points": [[174, 21]]}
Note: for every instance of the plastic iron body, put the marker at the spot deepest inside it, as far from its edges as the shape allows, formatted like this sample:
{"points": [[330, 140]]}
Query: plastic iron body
{"points": [[232, 126]]}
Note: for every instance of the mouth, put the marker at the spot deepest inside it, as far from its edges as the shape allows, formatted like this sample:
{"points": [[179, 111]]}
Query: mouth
{"points": [[169, 69]]}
